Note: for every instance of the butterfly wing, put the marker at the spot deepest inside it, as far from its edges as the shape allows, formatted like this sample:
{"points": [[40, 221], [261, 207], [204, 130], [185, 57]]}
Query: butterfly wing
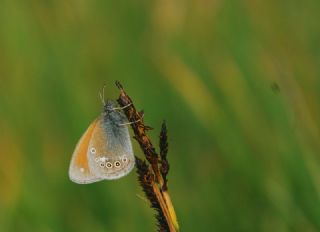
{"points": [[110, 149], [79, 171]]}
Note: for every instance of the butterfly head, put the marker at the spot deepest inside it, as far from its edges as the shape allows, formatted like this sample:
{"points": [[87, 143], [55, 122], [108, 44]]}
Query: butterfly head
{"points": [[109, 106]]}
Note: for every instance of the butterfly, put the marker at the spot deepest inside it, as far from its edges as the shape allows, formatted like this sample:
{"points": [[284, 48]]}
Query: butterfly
{"points": [[104, 152]]}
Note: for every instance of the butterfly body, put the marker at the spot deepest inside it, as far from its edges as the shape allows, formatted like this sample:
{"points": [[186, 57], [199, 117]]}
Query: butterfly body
{"points": [[105, 150]]}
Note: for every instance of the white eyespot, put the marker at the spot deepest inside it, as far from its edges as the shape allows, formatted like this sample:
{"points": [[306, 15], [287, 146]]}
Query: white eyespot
{"points": [[102, 165], [92, 150], [109, 165], [81, 169], [124, 159], [117, 164]]}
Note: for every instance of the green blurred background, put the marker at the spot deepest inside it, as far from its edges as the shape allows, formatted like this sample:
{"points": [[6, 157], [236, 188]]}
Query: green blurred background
{"points": [[237, 82]]}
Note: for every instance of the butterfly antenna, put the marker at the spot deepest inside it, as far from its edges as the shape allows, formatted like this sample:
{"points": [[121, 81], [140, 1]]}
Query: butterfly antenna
{"points": [[102, 95]]}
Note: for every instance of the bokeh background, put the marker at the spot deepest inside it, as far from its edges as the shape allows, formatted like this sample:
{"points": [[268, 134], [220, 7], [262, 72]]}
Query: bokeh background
{"points": [[237, 82]]}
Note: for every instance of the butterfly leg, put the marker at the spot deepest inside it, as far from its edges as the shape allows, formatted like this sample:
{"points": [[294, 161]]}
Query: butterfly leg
{"points": [[121, 108], [129, 123]]}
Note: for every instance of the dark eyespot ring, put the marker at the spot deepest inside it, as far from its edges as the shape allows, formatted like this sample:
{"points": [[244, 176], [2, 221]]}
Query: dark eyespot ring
{"points": [[109, 165], [93, 150], [117, 164], [102, 165], [124, 159]]}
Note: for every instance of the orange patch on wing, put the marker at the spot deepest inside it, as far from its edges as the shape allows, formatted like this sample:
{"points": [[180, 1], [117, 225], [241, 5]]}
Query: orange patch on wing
{"points": [[81, 159]]}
